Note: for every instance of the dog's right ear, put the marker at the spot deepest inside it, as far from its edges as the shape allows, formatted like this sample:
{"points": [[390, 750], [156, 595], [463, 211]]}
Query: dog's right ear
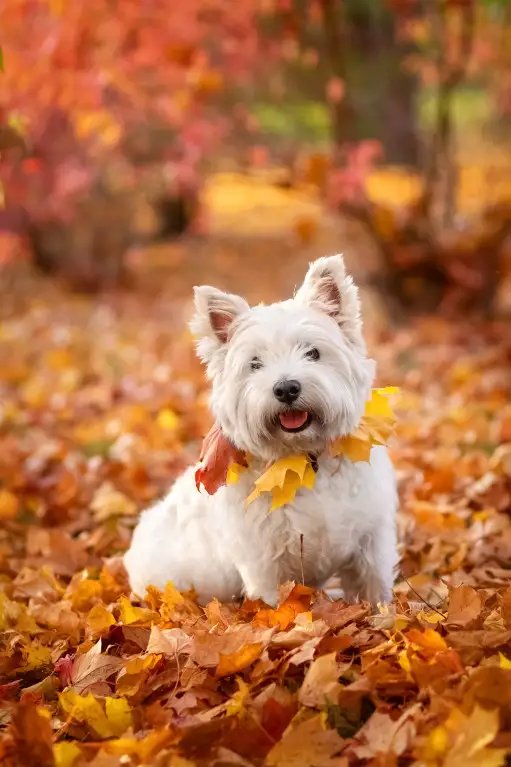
{"points": [[329, 289], [215, 311]]}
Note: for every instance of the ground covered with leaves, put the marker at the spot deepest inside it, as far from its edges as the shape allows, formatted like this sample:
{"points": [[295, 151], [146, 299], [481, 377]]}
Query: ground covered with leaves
{"points": [[101, 405]]}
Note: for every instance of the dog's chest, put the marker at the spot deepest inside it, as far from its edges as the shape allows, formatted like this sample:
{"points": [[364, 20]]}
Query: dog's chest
{"points": [[304, 537], [302, 545]]}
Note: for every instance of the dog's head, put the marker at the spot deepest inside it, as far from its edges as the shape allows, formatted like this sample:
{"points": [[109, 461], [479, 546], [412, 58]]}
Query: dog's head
{"points": [[291, 376]]}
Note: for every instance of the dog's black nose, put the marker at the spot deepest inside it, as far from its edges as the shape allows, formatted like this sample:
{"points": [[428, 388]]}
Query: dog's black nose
{"points": [[287, 391]]}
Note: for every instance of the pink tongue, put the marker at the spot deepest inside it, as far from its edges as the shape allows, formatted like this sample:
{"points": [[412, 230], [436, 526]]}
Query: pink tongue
{"points": [[293, 419]]}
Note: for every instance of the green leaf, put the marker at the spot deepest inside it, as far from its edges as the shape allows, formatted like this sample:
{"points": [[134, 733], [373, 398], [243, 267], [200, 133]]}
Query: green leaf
{"points": [[1, 60], [498, 4]]}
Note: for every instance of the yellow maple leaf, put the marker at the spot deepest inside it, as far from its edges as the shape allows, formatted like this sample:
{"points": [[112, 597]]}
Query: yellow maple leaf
{"points": [[356, 448], [170, 599], [134, 674], [378, 406], [118, 713], [100, 619], [239, 660], [35, 655], [236, 705], [376, 428], [233, 473], [287, 475], [66, 754], [462, 741], [112, 721], [130, 614], [86, 709], [142, 663], [144, 748], [109, 502], [404, 661], [283, 479], [85, 593]]}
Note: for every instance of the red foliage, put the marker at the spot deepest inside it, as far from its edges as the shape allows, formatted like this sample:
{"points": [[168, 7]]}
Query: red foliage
{"points": [[93, 73], [216, 456]]}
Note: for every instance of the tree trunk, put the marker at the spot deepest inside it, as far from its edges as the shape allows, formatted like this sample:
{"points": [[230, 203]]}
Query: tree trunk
{"points": [[383, 92]]}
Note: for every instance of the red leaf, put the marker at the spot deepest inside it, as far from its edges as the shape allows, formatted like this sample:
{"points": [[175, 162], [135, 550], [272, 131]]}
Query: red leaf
{"points": [[64, 668], [216, 456]]}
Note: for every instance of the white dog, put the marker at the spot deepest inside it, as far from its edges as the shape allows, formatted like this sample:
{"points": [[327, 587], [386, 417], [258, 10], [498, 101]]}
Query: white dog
{"points": [[287, 378]]}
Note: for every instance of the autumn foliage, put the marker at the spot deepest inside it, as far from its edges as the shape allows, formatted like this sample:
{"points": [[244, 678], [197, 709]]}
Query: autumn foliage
{"points": [[109, 103]]}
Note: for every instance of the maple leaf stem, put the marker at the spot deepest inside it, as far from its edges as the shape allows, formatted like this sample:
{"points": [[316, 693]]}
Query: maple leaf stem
{"points": [[301, 558], [422, 598]]}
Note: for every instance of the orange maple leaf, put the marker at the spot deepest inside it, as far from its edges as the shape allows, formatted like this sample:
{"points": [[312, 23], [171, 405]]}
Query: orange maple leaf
{"points": [[217, 454]]}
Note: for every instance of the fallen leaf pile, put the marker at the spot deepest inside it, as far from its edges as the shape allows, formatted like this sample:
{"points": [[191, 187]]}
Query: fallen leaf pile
{"points": [[101, 406]]}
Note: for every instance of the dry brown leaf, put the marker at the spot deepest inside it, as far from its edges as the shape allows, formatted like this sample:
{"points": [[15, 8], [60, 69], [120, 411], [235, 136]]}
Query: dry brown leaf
{"points": [[464, 606], [239, 660], [92, 667], [307, 741], [32, 735], [171, 642], [321, 683]]}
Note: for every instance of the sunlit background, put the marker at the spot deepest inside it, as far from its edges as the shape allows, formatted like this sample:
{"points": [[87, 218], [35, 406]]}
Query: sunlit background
{"points": [[149, 145]]}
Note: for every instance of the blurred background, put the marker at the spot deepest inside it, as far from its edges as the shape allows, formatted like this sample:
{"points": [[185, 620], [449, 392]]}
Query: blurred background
{"points": [[148, 145]]}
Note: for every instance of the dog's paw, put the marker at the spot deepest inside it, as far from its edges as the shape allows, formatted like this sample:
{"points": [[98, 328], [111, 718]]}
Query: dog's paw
{"points": [[271, 599], [336, 594], [268, 596]]}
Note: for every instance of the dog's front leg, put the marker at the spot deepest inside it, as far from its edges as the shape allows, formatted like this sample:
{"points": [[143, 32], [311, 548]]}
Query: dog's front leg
{"points": [[260, 581], [370, 573]]}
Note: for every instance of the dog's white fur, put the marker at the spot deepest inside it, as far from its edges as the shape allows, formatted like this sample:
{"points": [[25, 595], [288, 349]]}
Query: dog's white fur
{"points": [[345, 526]]}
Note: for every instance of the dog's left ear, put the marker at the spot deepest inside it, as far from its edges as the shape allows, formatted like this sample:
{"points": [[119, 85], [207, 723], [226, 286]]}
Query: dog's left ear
{"points": [[215, 312], [329, 289]]}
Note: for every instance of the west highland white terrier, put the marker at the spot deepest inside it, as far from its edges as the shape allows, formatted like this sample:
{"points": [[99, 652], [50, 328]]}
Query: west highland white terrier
{"points": [[286, 378]]}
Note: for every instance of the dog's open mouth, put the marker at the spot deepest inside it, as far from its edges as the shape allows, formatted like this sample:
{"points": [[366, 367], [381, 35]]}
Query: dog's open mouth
{"points": [[294, 420]]}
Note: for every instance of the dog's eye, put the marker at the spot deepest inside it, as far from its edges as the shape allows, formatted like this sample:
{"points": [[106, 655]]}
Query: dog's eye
{"points": [[312, 354], [255, 363]]}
